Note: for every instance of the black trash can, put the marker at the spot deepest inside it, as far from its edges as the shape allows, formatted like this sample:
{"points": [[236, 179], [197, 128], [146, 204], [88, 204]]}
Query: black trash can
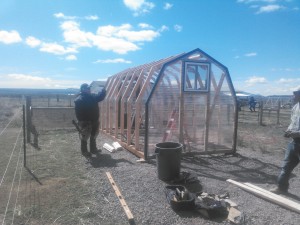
{"points": [[168, 157]]}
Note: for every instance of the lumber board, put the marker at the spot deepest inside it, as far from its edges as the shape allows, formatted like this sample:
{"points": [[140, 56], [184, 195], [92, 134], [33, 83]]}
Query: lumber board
{"points": [[279, 197], [284, 202], [121, 199]]}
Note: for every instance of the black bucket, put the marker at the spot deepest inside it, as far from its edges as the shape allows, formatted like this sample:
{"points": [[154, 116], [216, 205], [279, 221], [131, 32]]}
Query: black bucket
{"points": [[168, 157]]}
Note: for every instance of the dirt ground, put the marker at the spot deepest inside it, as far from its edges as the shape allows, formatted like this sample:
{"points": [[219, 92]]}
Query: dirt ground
{"points": [[60, 186]]}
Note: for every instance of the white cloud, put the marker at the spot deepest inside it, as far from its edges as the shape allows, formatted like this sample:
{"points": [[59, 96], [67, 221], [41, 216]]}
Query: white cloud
{"points": [[251, 1], [74, 35], [116, 45], [58, 15], [125, 31], [25, 77], [71, 57], [33, 42], [251, 54], [178, 28], [145, 26], [168, 6], [120, 39], [10, 37], [133, 4], [269, 8], [62, 16], [56, 49], [109, 30], [255, 80], [19, 80], [117, 60], [139, 7], [289, 80], [286, 69], [163, 28], [53, 48], [92, 17], [134, 36]]}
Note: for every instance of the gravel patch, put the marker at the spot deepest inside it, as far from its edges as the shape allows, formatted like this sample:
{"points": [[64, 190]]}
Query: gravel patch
{"points": [[144, 192]]}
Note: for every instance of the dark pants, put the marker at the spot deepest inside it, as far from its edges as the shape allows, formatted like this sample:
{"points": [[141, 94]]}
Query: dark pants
{"points": [[291, 160], [89, 129]]}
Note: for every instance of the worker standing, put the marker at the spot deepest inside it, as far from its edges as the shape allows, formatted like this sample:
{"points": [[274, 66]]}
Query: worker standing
{"points": [[292, 154], [87, 114]]}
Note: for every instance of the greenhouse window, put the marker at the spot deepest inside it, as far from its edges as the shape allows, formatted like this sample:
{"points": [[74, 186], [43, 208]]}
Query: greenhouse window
{"points": [[197, 77]]}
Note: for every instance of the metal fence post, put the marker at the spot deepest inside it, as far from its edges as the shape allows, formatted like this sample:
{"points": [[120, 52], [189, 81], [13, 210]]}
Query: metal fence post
{"points": [[24, 136], [28, 117]]}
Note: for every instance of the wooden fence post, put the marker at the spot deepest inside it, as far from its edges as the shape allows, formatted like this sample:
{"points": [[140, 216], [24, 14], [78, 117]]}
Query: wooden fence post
{"points": [[261, 112], [278, 112]]}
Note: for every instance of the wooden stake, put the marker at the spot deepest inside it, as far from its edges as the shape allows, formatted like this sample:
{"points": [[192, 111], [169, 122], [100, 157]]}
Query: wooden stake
{"points": [[268, 195], [122, 200]]}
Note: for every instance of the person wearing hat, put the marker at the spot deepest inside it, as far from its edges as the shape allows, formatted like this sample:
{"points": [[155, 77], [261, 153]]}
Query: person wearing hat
{"points": [[87, 114], [292, 154]]}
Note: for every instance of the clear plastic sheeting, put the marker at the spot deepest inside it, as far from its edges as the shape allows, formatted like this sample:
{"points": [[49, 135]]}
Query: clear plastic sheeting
{"points": [[188, 98]]}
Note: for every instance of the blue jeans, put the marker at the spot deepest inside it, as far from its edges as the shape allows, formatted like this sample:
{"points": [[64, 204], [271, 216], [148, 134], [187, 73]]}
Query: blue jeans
{"points": [[291, 160]]}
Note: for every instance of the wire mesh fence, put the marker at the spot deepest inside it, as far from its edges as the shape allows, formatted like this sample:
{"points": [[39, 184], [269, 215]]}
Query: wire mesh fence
{"points": [[25, 167], [265, 116]]}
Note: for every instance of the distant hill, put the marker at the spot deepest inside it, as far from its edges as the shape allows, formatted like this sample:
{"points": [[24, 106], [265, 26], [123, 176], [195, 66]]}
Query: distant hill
{"points": [[28, 91]]}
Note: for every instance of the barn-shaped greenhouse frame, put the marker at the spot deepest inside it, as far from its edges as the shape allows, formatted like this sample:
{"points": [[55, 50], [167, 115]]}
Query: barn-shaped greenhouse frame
{"points": [[187, 98]]}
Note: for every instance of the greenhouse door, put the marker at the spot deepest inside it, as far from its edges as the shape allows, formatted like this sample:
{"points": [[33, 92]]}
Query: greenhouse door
{"points": [[194, 105]]}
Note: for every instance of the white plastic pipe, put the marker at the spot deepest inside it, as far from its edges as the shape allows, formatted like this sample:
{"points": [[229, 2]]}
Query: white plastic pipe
{"points": [[117, 146], [108, 147]]}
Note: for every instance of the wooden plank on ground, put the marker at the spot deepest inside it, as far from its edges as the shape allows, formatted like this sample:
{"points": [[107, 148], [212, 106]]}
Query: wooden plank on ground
{"points": [[279, 197], [122, 200], [268, 195]]}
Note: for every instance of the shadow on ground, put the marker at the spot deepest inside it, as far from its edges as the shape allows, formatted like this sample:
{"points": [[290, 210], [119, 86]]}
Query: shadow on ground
{"points": [[238, 167], [105, 160]]}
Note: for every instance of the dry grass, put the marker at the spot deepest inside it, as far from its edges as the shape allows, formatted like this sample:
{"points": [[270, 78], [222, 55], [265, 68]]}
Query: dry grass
{"points": [[66, 188], [9, 106]]}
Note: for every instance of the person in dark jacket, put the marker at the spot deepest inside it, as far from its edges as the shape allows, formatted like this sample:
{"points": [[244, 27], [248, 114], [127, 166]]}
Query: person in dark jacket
{"points": [[252, 104], [87, 114], [292, 154]]}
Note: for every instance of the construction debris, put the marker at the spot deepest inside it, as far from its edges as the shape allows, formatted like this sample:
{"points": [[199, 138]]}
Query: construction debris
{"points": [[109, 148], [211, 205], [235, 216], [117, 146], [141, 160], [112, 148], [179, 198]]}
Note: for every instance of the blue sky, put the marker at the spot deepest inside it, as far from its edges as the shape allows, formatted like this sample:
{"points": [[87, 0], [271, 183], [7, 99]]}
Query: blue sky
{"points": [[62, 43]]}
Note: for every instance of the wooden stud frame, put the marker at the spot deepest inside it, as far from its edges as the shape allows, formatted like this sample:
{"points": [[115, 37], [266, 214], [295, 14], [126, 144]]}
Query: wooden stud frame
{"points": [[129, 111]]}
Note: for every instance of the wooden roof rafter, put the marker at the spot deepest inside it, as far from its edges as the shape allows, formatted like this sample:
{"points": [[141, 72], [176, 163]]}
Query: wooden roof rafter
{"points": [[111, 100], [153, 67]]}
